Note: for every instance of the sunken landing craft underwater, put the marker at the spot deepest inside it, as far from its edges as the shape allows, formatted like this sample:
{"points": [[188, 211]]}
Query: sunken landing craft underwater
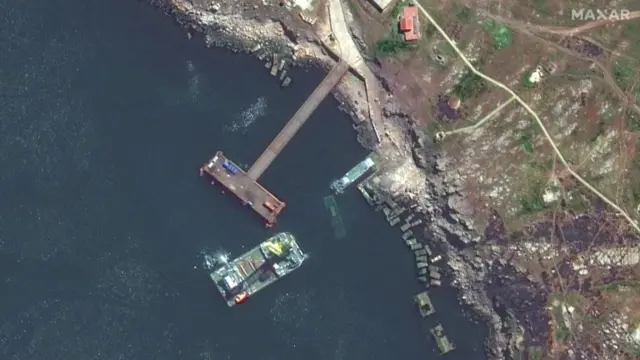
{"points": [[258, 268]]}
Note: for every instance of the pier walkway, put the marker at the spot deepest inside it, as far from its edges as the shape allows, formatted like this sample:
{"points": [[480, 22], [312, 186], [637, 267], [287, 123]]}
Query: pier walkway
{"points": [[298, 119], [244, 185]]}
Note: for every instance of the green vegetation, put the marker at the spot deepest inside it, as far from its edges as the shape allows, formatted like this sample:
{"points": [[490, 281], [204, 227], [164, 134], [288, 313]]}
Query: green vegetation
{"points": [[433, 127], [632, 29], [575, 202], [532, 202], [389, 45], [542, 165], [633, 350], [525, 81], [397, 8], [502, 35], [622, 71], [526, 141], [633, 121], [392, 43], [638, 96], [428, 30], [540, 5], [446, 49], [535, 353], [606, 119], [561, 331], [469, 85], [464, 14], [619, 285]]}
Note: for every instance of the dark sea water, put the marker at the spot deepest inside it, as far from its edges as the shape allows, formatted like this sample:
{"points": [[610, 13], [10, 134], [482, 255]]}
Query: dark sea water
{"points": [[106, 113]]}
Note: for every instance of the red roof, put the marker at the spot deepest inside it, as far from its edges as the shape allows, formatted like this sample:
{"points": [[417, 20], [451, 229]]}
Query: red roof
{"points": [[409, 24], [406, 24]]}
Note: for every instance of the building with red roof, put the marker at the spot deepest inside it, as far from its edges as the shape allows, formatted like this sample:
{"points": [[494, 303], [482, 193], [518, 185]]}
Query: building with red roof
{"points": [[409, 23]]}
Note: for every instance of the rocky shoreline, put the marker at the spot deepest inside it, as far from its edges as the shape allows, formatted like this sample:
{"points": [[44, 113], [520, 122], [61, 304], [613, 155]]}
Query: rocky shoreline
{"points": [[428, 184]]}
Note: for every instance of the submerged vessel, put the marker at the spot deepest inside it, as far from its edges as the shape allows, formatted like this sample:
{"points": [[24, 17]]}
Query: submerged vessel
{"points": [[443, 343], [336, 220], [425, 306], [338, 186], [258, 268]]}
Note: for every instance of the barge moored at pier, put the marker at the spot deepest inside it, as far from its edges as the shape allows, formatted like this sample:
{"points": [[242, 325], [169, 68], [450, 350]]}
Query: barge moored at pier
{"points": [[258, 268], [245, 184], [339, 186]]}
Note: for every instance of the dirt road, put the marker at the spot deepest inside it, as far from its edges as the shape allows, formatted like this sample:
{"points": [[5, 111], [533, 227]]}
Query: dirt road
{"points": [[573, 31], [535, 30], [351, 54]]}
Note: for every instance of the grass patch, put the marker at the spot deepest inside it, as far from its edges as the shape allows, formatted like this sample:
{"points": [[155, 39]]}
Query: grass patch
{"points": [[535, 353], [446, 49], [633, 121], [542, 165], [562, 333], [526, 141], [393, 43], [464, 14], [576, 202], [502, 35], [397, 8], [469, 85], [632, 29], [622, 71], [618, 285], [428, 30], [526, 82], [432, 128], [540, 6], [532, 202]]}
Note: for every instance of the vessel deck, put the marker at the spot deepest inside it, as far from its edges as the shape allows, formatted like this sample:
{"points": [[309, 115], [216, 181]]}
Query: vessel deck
{"points": [[251, 265], [249, 191]]}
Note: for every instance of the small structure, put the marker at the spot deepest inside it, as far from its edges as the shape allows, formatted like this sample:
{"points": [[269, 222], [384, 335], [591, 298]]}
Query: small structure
{"points": [[425, 307], [308, 19], [409, 23], [454, 102], [381, 5]]}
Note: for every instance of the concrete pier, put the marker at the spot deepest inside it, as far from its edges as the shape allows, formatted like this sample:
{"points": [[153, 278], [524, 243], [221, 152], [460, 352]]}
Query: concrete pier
{"points": [[251, 194], [298, 119], [244, 185]]}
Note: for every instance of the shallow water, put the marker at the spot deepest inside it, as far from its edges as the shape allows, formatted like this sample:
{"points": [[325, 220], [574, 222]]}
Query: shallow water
{"points": [[107, 111]]}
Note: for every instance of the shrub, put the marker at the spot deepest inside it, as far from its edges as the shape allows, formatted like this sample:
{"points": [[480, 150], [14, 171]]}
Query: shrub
{"points": [[469, 85]]}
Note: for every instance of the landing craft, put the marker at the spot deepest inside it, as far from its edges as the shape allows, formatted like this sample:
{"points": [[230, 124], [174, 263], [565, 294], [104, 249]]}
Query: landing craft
{"points": [[258, 268]]}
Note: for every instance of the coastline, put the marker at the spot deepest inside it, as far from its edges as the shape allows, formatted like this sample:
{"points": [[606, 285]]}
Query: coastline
{"points": [[418, 175]]}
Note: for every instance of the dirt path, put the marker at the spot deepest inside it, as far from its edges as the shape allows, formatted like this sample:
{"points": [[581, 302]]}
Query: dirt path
{"points": [[573, 31], [532, 30], [351, 54], [632, 222]]}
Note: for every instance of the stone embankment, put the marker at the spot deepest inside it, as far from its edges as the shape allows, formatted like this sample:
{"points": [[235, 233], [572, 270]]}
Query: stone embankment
{"points": [[268, 29], [416, 183]]}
